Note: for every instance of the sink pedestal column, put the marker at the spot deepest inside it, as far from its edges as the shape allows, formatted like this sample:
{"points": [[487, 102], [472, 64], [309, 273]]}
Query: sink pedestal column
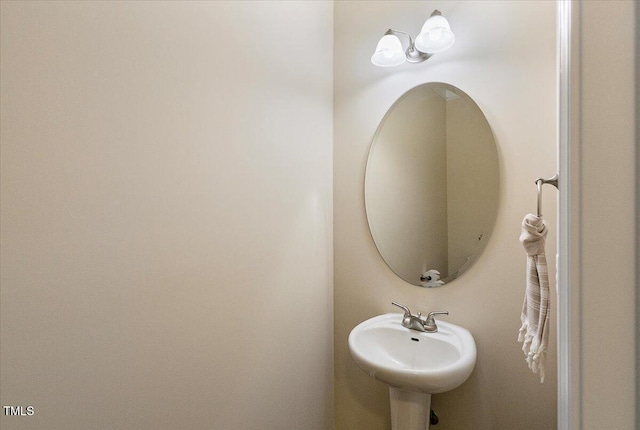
{"points": [[409, 410]]}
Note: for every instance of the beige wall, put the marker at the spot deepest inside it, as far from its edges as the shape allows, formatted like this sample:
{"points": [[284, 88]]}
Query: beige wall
{"points": [[605, 120], [504, 58], [166, 215]]}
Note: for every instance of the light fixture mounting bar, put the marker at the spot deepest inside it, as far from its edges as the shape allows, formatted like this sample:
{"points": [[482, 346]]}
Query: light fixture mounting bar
{"points": [[413, 55]]}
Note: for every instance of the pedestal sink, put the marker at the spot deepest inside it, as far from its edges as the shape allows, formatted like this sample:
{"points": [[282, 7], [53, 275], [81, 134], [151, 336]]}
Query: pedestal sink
{"points": [[414, 364]]}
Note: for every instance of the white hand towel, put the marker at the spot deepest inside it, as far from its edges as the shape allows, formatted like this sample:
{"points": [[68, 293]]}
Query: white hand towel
{"points": [[534, 332], [430, 279]]}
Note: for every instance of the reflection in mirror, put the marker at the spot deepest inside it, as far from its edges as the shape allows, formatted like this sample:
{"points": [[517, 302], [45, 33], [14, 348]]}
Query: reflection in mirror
{"points": [[432, 184]]}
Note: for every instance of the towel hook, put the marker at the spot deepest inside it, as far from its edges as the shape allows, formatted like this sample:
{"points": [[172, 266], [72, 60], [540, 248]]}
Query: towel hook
{"points": [[541, 181]]}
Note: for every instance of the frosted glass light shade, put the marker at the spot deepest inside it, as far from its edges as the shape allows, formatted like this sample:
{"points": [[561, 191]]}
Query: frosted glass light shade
{"points": [[388, 52], [435, 36]]}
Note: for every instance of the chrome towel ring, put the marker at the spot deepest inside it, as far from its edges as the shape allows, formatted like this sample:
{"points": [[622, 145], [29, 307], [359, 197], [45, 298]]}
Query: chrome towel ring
{"points": [[541, 181]]}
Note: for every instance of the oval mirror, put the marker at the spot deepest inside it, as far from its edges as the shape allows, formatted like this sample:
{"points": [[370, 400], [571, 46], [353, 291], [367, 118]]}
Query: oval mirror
{"points": [[431, 184]]}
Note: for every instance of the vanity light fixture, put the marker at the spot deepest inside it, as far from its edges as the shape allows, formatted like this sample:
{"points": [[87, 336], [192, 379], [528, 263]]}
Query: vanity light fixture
{"points": [[435, 36]]}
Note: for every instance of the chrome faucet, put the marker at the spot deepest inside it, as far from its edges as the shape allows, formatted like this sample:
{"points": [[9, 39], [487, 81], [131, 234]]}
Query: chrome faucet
{"points": [[415, 322]]}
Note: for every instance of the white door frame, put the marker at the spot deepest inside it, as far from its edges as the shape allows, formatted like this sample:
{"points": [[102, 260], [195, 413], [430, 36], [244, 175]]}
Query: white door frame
{"points": [[568, 239]]}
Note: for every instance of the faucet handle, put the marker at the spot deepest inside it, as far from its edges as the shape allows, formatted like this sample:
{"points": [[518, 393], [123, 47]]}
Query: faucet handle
{"points": [[430, 323], [430, 316], [407, 312]]}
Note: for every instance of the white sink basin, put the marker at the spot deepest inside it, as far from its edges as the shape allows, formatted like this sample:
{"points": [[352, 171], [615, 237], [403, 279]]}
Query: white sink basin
{"points": [[412, 360]]}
